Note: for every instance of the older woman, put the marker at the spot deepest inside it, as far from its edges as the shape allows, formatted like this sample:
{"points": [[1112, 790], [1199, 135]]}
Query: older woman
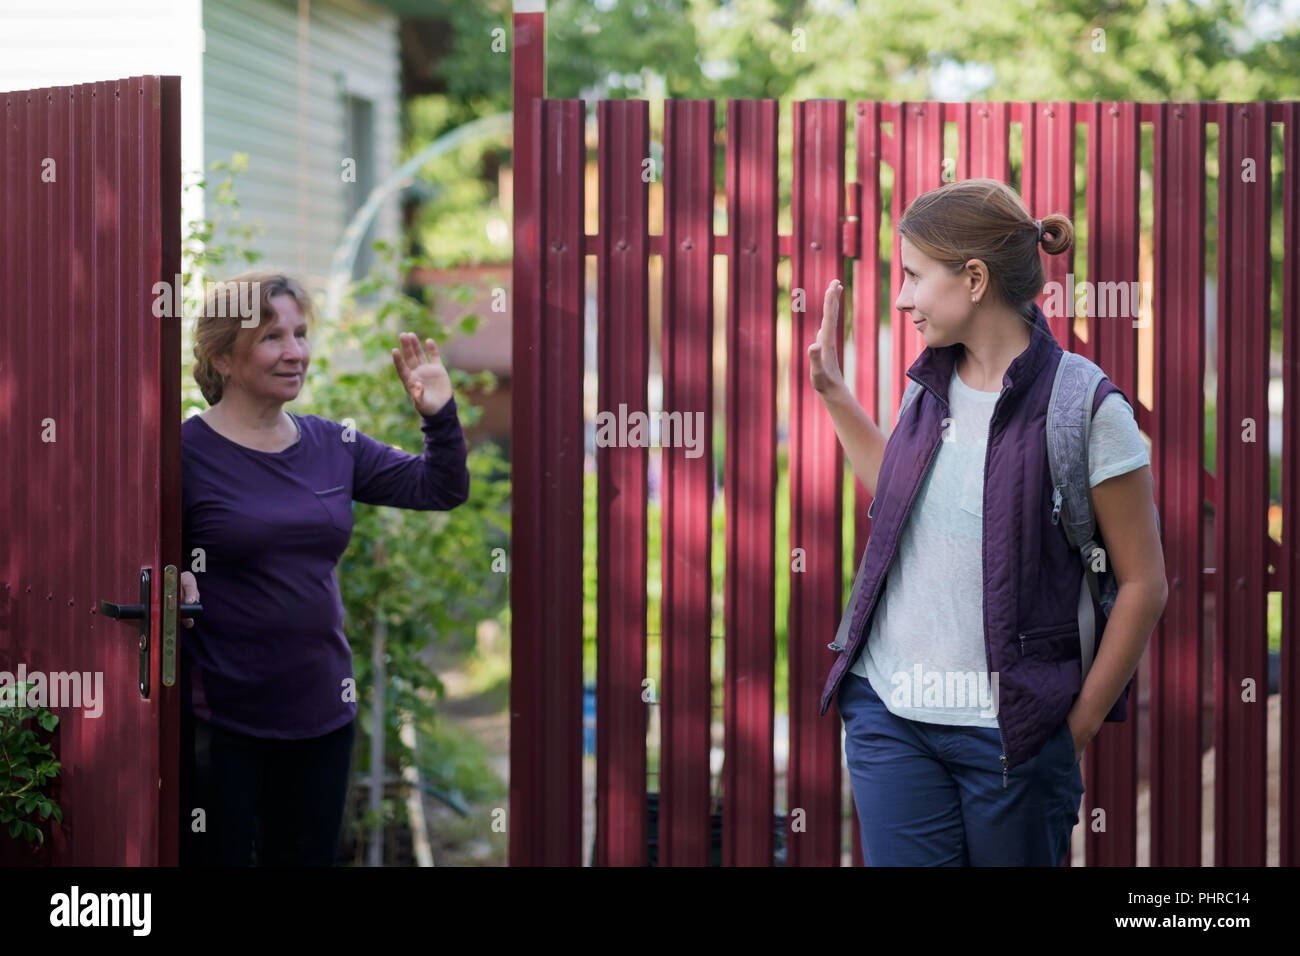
{"points": [[268, 697]]}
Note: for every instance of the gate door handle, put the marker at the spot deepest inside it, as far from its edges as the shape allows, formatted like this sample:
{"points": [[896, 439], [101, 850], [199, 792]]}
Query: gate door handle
{"points": [[136, 612]]}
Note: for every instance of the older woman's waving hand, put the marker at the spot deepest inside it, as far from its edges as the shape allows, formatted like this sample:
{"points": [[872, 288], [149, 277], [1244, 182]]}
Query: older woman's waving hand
{"points": [[423, 375]]}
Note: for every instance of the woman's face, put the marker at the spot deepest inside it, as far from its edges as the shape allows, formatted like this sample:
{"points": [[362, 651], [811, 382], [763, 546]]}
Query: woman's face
{"points": [[276, 362], [938, 302]]}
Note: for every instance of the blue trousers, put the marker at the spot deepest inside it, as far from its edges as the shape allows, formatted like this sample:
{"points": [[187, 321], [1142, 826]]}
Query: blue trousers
{"points": [[931, 794]]}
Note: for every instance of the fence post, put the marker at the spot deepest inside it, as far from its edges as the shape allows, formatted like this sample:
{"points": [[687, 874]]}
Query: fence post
{"points": [[813, 825]]}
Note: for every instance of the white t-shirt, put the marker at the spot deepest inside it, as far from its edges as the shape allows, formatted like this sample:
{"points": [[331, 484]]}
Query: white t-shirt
{"points": [[924, 655]]}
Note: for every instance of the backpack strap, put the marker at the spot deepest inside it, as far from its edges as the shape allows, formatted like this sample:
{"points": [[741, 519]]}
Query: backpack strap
{"points": [[1069, 425]]}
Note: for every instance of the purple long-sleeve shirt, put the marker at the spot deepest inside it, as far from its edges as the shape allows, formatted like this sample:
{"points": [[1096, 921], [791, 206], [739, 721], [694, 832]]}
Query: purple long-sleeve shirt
{"points": [[268, 656]]}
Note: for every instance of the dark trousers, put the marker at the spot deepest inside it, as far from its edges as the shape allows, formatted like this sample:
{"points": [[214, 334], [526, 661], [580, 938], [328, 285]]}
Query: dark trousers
{"points": [[264, 802]]}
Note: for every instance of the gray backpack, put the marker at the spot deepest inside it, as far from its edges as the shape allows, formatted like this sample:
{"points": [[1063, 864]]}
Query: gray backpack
{"points": [[1069, 425]]}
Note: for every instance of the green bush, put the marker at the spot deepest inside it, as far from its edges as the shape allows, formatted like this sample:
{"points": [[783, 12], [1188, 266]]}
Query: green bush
{"points": [[26, 766], [429, 575]]}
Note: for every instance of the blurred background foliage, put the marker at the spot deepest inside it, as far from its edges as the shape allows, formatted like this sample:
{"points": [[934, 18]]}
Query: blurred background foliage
{"points": [[887, 50]]}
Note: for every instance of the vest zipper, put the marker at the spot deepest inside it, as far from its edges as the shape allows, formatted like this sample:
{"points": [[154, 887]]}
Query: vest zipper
{"points": [[883, 574], [988, 657]]}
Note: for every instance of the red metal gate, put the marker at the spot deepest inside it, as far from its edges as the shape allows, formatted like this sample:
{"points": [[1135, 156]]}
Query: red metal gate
{"points": [[89, 413], [834, 223]]}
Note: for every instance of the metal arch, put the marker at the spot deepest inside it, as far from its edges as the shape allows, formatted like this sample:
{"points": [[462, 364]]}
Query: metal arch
{"points": [[345, 253]]}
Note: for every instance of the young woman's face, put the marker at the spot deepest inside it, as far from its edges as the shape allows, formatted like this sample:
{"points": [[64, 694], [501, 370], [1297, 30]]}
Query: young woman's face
{"points": [[276, 362], [938, 302]]}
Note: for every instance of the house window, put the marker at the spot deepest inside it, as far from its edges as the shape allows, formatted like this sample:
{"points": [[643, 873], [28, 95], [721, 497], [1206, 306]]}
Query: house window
{"points": [[359, 113]]}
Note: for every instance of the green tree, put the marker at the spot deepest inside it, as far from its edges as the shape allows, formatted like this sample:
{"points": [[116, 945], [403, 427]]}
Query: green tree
{"points": [[430, 575], [886, 49]]}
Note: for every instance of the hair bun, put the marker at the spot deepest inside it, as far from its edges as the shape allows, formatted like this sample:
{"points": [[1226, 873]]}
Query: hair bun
{"points": [[1055, 234]]}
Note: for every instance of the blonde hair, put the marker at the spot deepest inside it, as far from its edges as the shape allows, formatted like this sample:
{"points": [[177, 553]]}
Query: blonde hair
{"points": [[219, 328], [986, 219]]}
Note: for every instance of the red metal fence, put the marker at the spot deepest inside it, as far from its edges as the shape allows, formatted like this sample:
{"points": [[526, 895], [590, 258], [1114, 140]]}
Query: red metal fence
{"points": [[833, 222], [835, 225], [90, 221]]}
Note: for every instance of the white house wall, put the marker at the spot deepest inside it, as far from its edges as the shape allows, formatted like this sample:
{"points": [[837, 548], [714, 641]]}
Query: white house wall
{"points": [[287, 112]]}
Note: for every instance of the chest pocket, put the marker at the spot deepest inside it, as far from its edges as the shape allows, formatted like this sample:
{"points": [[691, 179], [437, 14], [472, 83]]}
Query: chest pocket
{"points": [[971, 498], [338, 505]]}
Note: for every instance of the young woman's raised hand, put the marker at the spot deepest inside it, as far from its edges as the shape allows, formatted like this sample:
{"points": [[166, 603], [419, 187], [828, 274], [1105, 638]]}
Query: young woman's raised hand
{"points": [[823, 361], [423, 375]]}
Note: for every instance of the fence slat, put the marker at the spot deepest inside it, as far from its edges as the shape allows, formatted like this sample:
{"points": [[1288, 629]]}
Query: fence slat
{"points": [[1241, 503], [750, 482], [1289, 560], [866, 283], [1113, 225], [624, 362], [866, 343], [918, 168], [816, 463], [546, 597], [1114, 154], [984, 147], [1047, 185], [686, 712], [527, 600], [1178, 273]]}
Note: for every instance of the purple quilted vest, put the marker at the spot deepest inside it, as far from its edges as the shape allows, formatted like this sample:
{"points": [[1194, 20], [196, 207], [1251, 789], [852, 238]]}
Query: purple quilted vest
{"points": [[1032, 576]]}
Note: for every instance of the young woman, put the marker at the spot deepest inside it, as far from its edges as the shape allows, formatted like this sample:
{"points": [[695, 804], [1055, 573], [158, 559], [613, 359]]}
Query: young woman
{"points": [[968, 582], [268, 702]]}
